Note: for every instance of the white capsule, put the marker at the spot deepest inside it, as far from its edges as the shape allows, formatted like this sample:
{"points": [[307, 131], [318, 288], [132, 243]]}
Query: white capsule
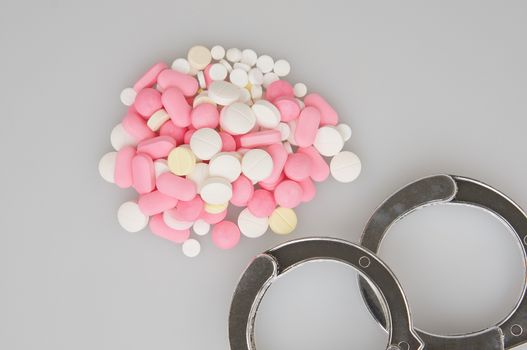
{"points": [[128, 96], [300, 90], [265, 63], [218, 72], [237, 118], [239, 77], [234, 55], [249, 57], [200, 227], [328, 141], [181, 65], [120, 138], [131, 218], [107, 166], [191, 248], [282, 68], [257, 164], [252, 226], [345, 166], [217, 52]]}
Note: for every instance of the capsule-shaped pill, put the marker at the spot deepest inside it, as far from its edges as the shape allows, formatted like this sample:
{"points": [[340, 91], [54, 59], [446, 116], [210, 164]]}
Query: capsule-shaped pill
{"points": [[150, 77], [123, 167], [319, 167], [143, 173], [135, 125], [184, 82], [328, 116], [307, 126], [260, 138], [177, 107], [155, 202], [279, 157], [176, 186], [157, 147]]}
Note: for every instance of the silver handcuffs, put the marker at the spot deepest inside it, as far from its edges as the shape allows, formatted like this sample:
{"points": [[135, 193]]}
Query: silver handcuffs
{"points": [[380, 289]]}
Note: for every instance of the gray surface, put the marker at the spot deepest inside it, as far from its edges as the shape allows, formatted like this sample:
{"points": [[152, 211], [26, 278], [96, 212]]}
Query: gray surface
{"points": [[427, 89]]}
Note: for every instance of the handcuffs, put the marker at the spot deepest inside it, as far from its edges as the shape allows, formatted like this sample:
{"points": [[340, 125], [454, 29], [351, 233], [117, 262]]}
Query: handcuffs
{"points": [[380, 289]]}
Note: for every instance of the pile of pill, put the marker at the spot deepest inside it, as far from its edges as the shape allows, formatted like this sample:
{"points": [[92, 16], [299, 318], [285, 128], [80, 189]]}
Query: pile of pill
{"points": [[222, 128]]}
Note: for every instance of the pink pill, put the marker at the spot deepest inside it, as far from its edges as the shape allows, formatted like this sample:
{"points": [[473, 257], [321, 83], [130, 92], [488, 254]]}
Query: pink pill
{"points": [[279, 156], [298, 166], [143, 173], [288, 107], [155, 202], [212, 219], [159, 228], [188, 210], [176, 186], [319, 167], [177, 107], [147, 102], [177, 133], [242, 191], [228, 142], [136, 126], [186, 83], [188, 135], [262, 203], [288, 194], [279, 88], [205, 115], [307, 126], [206, 73], [123, 167], [260, 138], [225, 235], [271, 185], [150, 77], [328, 116], [308, 189], [157, 147]]}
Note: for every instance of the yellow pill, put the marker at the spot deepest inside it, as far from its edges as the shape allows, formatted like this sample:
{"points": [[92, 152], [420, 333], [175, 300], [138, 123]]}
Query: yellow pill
{"points": [[181, 161], [283, 221], [215, 208]]}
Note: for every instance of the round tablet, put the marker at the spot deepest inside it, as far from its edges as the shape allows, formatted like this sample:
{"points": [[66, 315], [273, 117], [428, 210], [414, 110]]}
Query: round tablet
{"points": [[237, 118], [131, 218], [181, 161], [269, 78], [252, 226], [234, 55], [215, 208], [120, 138], [256, 92], [218, 72], [157, 119], [300, 90], [223, 92], [107, 166], [128, 96], [191, 248], [255, 76], [328, 141], [265, 63], [199, 57], [181, 65], [245, 96], [239, 77], [283, 220], [225, 235], [174, 223], [216, 190], [225, 165], [285, 130], [345, 131], [249, 57], [199, 174], [242, 66], [282, 68], [288, 194], [267, 115], [257, 164], [217, 52], [205, 143], [200, 227], [345, 166]]}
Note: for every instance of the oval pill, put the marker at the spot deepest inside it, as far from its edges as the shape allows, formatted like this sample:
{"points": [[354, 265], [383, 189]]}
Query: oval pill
{"points": [[170, 78], [319, 167], [155, 202], [123, 167], [307, 126], [135, 125], [176, 186], [150, 77], [260, 138], [147, 102], [161, 229], [177, 107], [328, 116], [157, 147], [175, 224], [143, 173]]}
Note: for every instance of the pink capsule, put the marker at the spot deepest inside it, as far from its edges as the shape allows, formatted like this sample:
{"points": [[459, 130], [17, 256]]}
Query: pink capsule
{"points": [[186, 83], [307, 126], [277, 89], [177, 133], [288, 107], [150, 77], [228, 142], [262, 203], [288, 194], [159, 228], [188, 210], [308, 189], [147, 102], [176, 106], [279, 156], [260, 138], [176, 186], [205, 115], [155, 202], [225, 235], [242, 191], [328, 116], [143, 173], [136, 126], [123, 167], [157, 147], [319, 167], [206, 73]]}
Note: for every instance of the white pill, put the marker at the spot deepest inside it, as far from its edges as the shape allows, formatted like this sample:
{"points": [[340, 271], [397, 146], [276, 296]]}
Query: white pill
{"points": [[252, 226], [245, 96], [218, 72], [156, 120], [217, 52], [181, 65], [269, 78], [345, 166], [249, 57], [257, 164], [160, 167], [131, 218], [225, 165], [200, 227], [265, 63], [128, 96], [285, 130], [205, 143], [201, 80], [255, 76], [328, 141], [234, 55], [242, 66], [171, 222], [226, 64], [120, 138], [203, 97], [345, 131], [267, 115], [301, 103], [239, 77], [199, 57], [292, 128], [107, 166], [223, 92], [282, 68], [300, 89], [288, 147], [199, 174], [216, 190], [237, 118], [256, 92], [191, 248]]}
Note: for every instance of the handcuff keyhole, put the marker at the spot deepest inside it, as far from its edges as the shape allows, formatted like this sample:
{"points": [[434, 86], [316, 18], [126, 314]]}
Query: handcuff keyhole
{"points": [[516, 330], [364, 262]]}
